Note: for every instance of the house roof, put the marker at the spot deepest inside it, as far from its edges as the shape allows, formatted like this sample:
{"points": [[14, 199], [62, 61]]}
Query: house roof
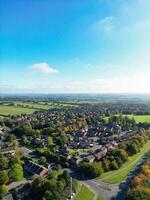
{"points": [[34, 167]]}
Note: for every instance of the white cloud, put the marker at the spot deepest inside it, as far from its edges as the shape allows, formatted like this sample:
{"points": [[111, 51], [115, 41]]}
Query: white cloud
{"points": [[106, 24], [105, 20], [43, 68]]}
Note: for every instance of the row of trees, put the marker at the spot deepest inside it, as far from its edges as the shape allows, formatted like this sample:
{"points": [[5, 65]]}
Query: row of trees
{"points": [[10, 170], [122, 120], [116, 157], [140, 187]]}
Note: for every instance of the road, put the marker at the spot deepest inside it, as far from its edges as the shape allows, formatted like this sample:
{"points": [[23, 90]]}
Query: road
{"points": [[109, 191]]}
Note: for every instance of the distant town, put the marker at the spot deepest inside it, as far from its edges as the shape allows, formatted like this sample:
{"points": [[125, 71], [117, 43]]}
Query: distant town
{"points": [[75, 144]]}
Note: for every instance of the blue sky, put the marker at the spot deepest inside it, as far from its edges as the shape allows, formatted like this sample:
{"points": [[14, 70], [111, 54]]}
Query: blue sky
{"points": [[75, 46]]}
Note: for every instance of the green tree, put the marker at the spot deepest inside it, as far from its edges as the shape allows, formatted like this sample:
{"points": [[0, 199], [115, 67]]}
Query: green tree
{"points": [[132, 149], [50, 141], [42, 160], [25, 140], [106, 165], [3, 163], [11, 137], [4, 177], [139, 194], [64, 176], [63, 139], [91, 170], [113, 165], [3, 190], [16, 172]]}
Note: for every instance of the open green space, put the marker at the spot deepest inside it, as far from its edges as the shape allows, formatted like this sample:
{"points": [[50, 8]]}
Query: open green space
{"points": [[84, 194], [138, 118], [100, 197], [20, 107], [13, 110], [117, 176]]}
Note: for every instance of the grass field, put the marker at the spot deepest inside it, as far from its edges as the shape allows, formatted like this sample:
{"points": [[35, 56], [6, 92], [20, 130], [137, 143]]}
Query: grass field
{"points": [[100, 198], [13, 110], [84, 194], [42, 105], [138, 118], [27, 108], [117, 176]]}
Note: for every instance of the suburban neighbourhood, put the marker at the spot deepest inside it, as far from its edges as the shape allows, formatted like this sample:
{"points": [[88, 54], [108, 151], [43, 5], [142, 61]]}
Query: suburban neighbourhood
{"points": [[82, 142], [75, 100]]}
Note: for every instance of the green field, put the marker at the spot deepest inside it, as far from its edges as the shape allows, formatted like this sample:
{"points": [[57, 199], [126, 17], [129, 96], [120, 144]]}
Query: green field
{"points": [[84, 194], [117, 176], [27, 107], [42, 105], [101, 198], [13, 110], [138, 118]]}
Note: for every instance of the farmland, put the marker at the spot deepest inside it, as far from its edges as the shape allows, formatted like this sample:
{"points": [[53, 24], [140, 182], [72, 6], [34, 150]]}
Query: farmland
{"points": [[18, 107], [138, 118], [13, 110]]}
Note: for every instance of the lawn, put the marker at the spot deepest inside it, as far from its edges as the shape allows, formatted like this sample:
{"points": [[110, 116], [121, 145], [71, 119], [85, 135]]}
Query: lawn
{"points": [[13, 110], [117, 176], [138, 118], [100, 198], [84, 194]]}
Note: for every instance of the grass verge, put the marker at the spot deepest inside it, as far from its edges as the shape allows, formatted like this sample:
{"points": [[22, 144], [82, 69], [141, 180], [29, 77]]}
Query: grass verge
{"points": [[84, 194], [117, 176]]}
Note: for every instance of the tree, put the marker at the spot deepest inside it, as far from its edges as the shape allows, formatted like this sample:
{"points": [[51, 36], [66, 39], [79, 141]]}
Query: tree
{"points": [[132, 149], [137, 181], [11, 137], [3, 190], [90, 170], [16, 172], [36, 133], [139, 193], [25, 140], [106, 164], [3, 163], [52, 174], [50, 141], [16, 158], [4, 177], [63, 139], [123, 155], [42, 160], [113, 165], [64, 176]]}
